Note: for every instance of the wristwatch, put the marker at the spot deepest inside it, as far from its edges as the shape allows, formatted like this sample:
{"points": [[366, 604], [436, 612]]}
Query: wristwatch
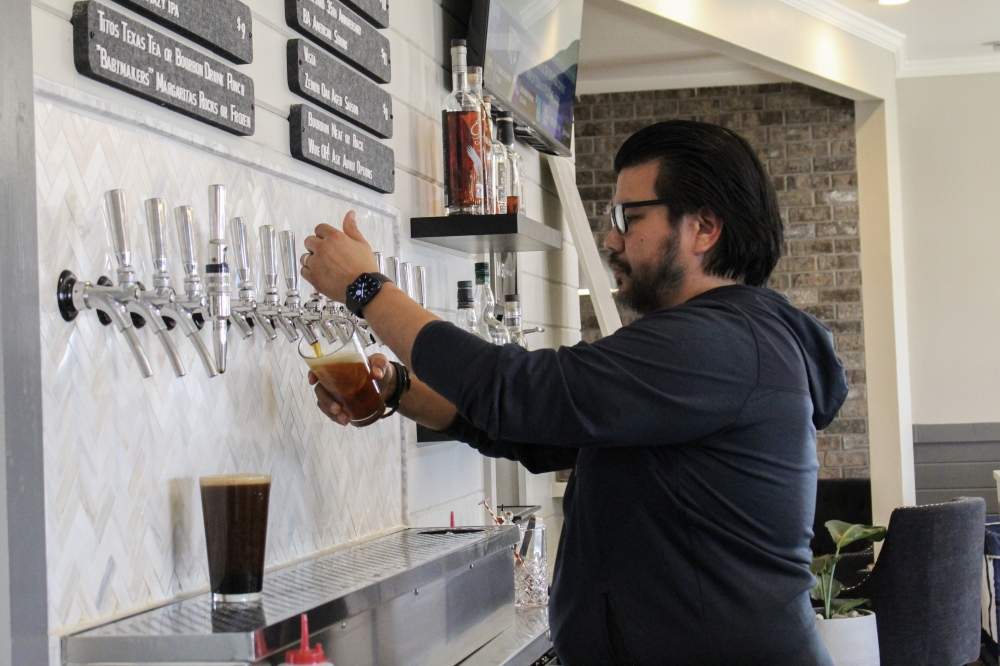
{"points": [[363, 290]]}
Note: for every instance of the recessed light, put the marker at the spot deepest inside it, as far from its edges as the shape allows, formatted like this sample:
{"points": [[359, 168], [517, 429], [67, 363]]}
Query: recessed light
{"points": [[892, 2]]}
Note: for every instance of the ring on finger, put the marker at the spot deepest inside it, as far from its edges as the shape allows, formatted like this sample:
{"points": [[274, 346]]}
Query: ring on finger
{"points": [[304, 259]]}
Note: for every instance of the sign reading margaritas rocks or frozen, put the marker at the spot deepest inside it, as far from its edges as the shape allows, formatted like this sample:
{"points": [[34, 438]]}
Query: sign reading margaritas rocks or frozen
{"points": [[322, 140], [343, 33], [224, 27], [336, 87], [117, 50]]}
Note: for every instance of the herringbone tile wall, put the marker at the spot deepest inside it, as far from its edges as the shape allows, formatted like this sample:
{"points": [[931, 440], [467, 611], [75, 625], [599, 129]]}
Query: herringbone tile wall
{"points": [[123, 454]]}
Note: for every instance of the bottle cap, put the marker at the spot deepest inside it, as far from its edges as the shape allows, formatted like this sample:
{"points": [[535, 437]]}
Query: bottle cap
{"points": [[465, 293], [482, 270], [505, 129], [512, 297], [305, 654], [457, 42]]}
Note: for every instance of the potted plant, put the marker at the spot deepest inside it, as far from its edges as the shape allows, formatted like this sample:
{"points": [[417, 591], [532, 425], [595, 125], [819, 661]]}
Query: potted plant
{"points": [[849, 634]]}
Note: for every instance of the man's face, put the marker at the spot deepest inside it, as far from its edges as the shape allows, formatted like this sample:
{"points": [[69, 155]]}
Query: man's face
{"points": [[645, 260]]}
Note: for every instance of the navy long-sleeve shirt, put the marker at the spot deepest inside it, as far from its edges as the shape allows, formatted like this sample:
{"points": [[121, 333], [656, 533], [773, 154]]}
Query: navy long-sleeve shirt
{"points": [[692, 435]]}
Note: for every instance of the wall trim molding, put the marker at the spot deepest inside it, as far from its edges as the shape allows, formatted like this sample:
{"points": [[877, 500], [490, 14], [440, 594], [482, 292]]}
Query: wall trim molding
{"points": [[987, 64], [855, 23], [950, 433]]}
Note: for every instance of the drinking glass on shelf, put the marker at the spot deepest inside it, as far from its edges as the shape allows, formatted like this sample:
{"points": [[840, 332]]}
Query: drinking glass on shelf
{"points": [[342, 368], [531, 571]]}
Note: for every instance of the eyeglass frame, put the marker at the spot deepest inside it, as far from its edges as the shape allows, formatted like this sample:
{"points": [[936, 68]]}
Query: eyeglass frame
{"points": [[617, 213]]}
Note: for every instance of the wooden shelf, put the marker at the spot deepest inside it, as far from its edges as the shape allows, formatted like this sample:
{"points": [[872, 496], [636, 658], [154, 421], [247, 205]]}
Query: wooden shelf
{"points": [[480, 234]]}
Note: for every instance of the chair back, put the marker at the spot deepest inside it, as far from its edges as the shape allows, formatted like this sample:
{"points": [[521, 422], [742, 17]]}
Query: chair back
{"points": [[925, 587]]}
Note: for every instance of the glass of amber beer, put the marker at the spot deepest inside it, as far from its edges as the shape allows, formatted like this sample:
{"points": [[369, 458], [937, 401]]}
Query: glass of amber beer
{"points": [[342, 368]]}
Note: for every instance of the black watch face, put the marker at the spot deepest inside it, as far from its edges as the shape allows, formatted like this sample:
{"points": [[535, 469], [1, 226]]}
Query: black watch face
{"points": [[363, 290]]}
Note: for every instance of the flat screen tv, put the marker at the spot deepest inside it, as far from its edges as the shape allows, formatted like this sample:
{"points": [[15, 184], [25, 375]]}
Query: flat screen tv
{"points": [[528, 50]]}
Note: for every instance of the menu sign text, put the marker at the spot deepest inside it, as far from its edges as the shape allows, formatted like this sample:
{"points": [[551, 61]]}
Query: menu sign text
{"points": [[376, 11], [117, 50], [343, 33], [324, 141], [224, 27], [337, 88]]}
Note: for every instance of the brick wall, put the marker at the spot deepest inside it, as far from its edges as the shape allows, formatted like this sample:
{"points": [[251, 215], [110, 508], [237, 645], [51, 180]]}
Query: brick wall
{"points": [[805, 138]]}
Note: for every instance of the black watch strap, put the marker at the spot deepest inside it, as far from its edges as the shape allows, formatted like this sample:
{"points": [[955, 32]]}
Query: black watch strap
{"points": [[363, 290]]}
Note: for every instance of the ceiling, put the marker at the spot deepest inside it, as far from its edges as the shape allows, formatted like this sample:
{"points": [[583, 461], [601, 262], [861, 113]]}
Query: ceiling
{"points": [[623, 50]]}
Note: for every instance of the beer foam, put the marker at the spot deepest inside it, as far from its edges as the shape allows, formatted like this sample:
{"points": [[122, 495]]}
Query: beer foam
{"points": [[342, 356], [235, 480]]}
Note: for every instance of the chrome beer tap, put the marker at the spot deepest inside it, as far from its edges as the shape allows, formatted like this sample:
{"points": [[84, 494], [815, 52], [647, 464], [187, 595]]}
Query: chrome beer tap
{"points": [[109, 301], [271, 309], [217, 274], [194, 298], [420, 285], [162, 296], [293, 303], [245, 313], [406, 278]]}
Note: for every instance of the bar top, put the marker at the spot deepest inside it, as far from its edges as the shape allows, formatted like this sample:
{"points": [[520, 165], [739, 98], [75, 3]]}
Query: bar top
{"points": [[331, 587], [520, 645]]}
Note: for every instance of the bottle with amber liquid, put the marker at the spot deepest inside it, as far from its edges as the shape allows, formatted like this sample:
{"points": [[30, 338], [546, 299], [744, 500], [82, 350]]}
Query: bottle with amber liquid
{"points": [[514, 185], [462, 126]]}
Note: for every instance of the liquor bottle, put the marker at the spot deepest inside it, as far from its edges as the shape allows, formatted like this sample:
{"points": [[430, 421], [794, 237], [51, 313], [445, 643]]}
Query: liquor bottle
{"points": [[485, 303], [491, 205], [512, 318], [515, 165], [461, 121], [467, 319], [476, 88], [496, 168]]}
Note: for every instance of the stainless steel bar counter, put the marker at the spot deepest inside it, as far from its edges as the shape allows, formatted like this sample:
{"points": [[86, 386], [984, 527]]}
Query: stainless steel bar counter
{"points": [[412, 597], [522, 644]]}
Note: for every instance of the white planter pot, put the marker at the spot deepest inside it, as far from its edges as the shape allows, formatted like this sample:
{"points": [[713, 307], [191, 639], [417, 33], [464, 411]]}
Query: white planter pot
{"points": [[851, 641]]}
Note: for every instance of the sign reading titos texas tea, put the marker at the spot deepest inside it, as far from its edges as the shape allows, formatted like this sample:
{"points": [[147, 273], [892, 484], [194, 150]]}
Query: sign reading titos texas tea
{"points": [[224, 27], [321, 140], [117, 50]]}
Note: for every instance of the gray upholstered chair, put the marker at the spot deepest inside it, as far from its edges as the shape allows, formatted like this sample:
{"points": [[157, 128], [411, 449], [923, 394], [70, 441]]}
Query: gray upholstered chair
{"points": [[925, 587]]}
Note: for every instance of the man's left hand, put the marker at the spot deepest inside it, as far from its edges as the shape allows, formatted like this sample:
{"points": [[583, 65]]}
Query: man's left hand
{"points": [[336, 258]]}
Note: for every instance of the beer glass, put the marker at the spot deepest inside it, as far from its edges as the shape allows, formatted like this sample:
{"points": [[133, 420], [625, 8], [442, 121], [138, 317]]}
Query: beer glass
{"points": [[342, 368], [234, 507]]}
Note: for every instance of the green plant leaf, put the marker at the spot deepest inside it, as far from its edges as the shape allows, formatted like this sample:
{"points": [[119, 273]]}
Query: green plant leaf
{"points": [[820, 563], [816, 591], [844, 533], [844, 606], [835, 589]]}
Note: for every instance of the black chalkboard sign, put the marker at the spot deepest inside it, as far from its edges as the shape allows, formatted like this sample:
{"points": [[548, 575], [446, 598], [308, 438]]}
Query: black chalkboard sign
{"points": [[117, 50], [324, 141], [224, 27], [336, 87], [343, 33], [376, 11]]}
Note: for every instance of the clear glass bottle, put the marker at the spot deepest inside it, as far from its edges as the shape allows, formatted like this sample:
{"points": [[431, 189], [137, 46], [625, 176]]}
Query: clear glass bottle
{"points": [[467, 319], [515, 165], [490, 327], [497, 165], [476, 88], [491, 202], [462, 123], [512, 318]]}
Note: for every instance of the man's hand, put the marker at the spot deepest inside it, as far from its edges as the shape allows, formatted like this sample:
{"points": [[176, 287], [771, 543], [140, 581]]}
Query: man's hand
{"points": [[336, 258], [385, 376]]}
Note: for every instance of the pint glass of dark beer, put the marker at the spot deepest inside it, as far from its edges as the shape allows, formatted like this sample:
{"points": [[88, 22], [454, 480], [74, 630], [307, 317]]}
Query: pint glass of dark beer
{"points": [[338, 360], [234, 507]]}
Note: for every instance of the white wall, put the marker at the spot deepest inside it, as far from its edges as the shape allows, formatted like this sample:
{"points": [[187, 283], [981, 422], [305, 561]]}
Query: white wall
{"points": [[950, 139], [435, 479]]}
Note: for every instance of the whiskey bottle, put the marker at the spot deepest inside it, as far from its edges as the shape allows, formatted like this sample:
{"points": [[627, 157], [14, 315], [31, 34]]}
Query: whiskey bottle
{"points": [[512, 319], [490, 327], [467, 319], [496, 169], [461, 122], [515, 165]]}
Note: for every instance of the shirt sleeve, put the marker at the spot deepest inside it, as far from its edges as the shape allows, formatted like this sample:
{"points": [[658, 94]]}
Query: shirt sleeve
{"points": [[536, 458], [674, 376]]}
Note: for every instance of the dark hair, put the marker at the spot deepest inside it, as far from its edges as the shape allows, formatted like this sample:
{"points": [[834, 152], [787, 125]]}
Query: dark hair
{"points": [[707, 166]]}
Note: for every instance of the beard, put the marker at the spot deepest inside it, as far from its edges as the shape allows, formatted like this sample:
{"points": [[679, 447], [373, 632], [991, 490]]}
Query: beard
{"points": [[648, 288]]}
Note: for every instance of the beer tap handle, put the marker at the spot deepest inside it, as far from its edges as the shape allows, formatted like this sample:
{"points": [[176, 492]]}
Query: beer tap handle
{"points": [[241, 255], [217, 275], [420, 285], [184, 217], [115, 214], [217, 221], [380, 262], [394, 271], [155, 218], [406, 279], [288, 260], [270, 256]]}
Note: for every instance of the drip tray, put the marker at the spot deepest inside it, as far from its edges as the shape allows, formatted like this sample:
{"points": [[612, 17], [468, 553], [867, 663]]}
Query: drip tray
{"points": [[416, 596]]}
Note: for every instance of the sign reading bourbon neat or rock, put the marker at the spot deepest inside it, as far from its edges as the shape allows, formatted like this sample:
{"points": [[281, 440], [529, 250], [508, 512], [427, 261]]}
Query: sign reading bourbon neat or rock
{"points": [[343, 33], [119, 51], [224, 27], [322, 140], [336, 87]]}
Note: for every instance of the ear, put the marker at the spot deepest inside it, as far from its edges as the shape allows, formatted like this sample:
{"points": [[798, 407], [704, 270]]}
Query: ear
{"points": [[708, 230]]}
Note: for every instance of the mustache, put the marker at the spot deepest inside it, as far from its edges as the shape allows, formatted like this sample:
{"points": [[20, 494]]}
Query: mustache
{"points": [[615, 261]]}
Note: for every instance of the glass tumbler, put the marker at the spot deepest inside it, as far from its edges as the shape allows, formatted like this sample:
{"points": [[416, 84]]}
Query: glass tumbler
{"points": [[531, 570], [339, 361]]}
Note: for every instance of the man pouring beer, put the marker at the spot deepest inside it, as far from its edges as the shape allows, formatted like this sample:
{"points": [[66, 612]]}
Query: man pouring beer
{"points": [[691, 432]]}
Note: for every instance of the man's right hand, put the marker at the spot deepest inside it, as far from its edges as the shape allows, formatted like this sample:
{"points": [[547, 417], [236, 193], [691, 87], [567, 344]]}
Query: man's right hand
{"points": [[384, 374]]}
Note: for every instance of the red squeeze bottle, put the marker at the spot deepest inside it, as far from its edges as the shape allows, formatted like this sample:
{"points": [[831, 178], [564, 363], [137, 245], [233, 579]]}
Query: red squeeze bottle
{"points": [[305, 654]]}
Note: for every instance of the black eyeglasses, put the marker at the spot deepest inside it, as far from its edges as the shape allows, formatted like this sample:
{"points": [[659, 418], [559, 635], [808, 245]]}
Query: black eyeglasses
{"points": [[617, 212]]}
